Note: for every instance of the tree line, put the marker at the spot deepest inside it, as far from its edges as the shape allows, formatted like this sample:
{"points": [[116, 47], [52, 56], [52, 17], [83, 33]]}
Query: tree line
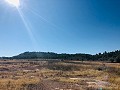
{"points": [[106, 56]]}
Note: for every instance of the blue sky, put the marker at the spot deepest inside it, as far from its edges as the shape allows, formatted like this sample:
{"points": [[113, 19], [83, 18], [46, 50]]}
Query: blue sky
{"points": [[61, 26]]}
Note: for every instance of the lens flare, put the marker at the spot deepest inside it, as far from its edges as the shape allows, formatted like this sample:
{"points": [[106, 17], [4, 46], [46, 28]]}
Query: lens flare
{"points": [[15, 3]]}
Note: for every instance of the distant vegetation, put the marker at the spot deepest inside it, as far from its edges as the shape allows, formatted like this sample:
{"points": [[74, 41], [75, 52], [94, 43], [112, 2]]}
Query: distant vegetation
{"points": [[106, 56]]}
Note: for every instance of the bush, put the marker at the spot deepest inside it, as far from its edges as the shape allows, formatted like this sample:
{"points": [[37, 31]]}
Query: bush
{"points": [[111, 60], [118, 59]]}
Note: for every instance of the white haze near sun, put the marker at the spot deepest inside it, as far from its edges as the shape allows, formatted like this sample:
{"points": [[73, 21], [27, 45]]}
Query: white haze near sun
{"points": [[15, 3]]}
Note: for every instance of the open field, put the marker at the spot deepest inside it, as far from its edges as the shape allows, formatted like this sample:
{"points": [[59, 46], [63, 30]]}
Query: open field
{"points": [[58, 75]]}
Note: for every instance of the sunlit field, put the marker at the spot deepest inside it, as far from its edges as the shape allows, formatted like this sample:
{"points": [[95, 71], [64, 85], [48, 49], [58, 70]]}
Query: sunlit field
{"points": [[58, 75], [59, 45]]}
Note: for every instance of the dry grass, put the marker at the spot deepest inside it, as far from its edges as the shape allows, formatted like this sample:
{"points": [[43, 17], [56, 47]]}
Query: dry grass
{"points": [[23, 75], [20, 84]]}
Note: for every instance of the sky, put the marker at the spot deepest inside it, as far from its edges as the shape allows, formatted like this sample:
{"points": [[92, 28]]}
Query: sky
{"points": [[61, 26]]}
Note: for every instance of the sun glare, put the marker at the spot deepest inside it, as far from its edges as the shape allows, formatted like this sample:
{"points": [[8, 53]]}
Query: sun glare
{"points": [[15, 3]]}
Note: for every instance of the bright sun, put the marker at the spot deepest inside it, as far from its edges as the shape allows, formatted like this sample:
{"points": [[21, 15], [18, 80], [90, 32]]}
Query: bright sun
{"points": [[15, 3]]}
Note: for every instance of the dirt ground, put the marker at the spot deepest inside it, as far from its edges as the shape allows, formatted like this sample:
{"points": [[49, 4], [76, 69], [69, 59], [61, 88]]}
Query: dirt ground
{"points": [[58, 75]]}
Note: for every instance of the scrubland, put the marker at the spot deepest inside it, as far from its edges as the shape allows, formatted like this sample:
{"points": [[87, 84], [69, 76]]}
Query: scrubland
{"points": [[58, 75]]}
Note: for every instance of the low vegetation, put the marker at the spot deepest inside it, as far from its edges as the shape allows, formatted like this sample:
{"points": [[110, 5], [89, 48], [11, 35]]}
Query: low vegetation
{"points": [[58, 75], [106, 56]]}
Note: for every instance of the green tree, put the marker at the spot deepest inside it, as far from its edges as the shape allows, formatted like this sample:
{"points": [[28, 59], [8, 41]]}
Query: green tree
{"points": [[111, 59], [118, 59]]}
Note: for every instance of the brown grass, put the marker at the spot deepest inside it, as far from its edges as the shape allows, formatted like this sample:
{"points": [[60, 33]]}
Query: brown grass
{"points": [[23, 75]]}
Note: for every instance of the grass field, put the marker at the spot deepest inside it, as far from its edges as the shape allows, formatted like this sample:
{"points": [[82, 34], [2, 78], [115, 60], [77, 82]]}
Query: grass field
{"points": [[58, 75]]}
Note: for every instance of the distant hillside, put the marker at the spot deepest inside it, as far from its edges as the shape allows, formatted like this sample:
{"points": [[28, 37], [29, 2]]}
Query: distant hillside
{"points": [[106, 56], [51, 55], [113, 56]]}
